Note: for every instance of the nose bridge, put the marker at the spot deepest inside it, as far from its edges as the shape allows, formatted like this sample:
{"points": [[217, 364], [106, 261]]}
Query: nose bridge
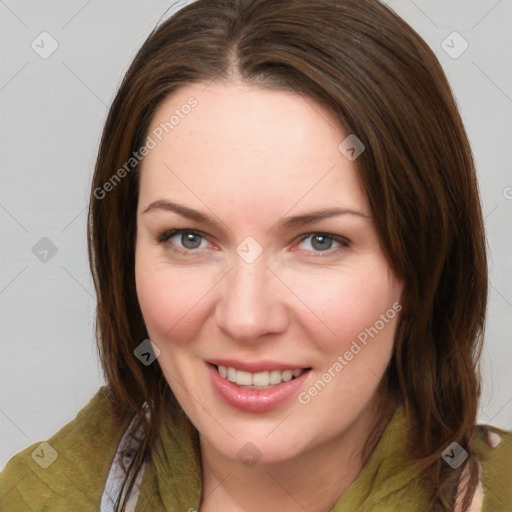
{"points": [[250, 304]]}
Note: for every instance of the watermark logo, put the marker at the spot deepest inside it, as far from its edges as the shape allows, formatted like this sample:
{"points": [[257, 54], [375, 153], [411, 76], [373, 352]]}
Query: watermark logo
{"points": [[147, 352], [44, 250], [44, 45], [454, 455], [44, 455], [351, 147], [249, 455], [249, 250], [454, 45]]}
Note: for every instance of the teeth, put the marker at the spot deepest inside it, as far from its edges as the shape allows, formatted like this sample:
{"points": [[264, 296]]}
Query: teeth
{"points": [[231, 372], [243, 378], [275, 377], [261, 379], [287, 375]]}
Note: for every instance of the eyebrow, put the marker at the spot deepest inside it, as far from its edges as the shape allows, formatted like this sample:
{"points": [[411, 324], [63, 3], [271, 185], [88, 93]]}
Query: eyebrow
{"points": [[288, 222]]}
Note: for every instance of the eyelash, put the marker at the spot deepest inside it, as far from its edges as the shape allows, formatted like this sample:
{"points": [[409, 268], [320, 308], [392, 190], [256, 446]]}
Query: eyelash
{"points": [[164, 237]]}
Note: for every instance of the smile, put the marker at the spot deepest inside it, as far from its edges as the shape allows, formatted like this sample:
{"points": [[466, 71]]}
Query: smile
{"points": [[260, 380], [256, 392]]}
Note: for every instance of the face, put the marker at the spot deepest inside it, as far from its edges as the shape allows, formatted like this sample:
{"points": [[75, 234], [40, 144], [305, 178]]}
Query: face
{"points": [[275, 325]]}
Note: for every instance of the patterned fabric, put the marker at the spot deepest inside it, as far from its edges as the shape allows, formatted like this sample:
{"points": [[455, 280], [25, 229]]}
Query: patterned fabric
{"points": [[77, 469], [117, 473]]}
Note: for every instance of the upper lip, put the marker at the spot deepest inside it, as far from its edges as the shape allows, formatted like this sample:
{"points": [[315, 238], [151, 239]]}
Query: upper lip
{"points": [[256, 366]]}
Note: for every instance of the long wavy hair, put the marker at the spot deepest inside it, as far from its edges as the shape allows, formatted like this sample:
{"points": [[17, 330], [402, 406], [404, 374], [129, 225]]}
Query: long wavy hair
{"points": [[382, 82]]}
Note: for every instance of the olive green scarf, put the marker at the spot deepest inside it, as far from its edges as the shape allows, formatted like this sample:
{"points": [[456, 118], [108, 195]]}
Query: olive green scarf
{"points": [[387, 483], [69, 470]]}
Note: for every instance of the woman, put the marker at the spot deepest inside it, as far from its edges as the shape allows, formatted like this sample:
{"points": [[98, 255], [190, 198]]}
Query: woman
{"points": [[287, 245]]}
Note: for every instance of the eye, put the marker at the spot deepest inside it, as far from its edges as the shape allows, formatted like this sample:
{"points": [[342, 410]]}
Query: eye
{"points": [[322, 242], [188, 241], [189, 238]]}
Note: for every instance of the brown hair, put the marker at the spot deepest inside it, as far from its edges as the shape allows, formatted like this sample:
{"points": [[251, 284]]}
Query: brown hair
{"points": [[383, 83]]}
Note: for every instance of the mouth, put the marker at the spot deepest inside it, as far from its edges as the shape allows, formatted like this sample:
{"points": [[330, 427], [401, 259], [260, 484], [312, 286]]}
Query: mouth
{"points": [[266, 379], [260, 391]]}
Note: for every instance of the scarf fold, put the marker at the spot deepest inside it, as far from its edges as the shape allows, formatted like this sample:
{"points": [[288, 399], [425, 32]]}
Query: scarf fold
{"points": [[388, 479], [176, 462], [173, 479]]}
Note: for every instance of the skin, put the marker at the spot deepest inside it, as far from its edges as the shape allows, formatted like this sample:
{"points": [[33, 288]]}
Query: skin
{"points": [[250, 157]]}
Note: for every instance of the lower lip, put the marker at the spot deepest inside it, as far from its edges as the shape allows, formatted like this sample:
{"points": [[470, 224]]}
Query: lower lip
{"points": [[255, 400]]}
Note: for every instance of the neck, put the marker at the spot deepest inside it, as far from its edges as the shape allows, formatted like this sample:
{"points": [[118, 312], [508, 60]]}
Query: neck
{"points": [[230, 486]]}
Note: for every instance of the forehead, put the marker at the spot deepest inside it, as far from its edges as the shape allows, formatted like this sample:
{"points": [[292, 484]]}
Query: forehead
{"points": [[258, 144]]}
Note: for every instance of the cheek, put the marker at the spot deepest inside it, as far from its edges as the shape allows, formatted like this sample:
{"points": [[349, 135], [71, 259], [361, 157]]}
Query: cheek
{"points": [[169, 300], [356, 306]]}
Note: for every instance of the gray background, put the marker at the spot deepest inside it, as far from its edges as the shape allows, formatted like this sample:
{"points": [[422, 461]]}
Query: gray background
{"points": [[53, 111]]}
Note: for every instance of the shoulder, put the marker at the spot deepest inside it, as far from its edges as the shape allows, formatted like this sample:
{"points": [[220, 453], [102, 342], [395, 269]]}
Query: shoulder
{"points": [[68, 471], [493, 448]]}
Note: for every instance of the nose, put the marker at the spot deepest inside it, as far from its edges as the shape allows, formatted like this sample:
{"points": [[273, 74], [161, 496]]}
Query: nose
{"points": [[252, 302]]}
